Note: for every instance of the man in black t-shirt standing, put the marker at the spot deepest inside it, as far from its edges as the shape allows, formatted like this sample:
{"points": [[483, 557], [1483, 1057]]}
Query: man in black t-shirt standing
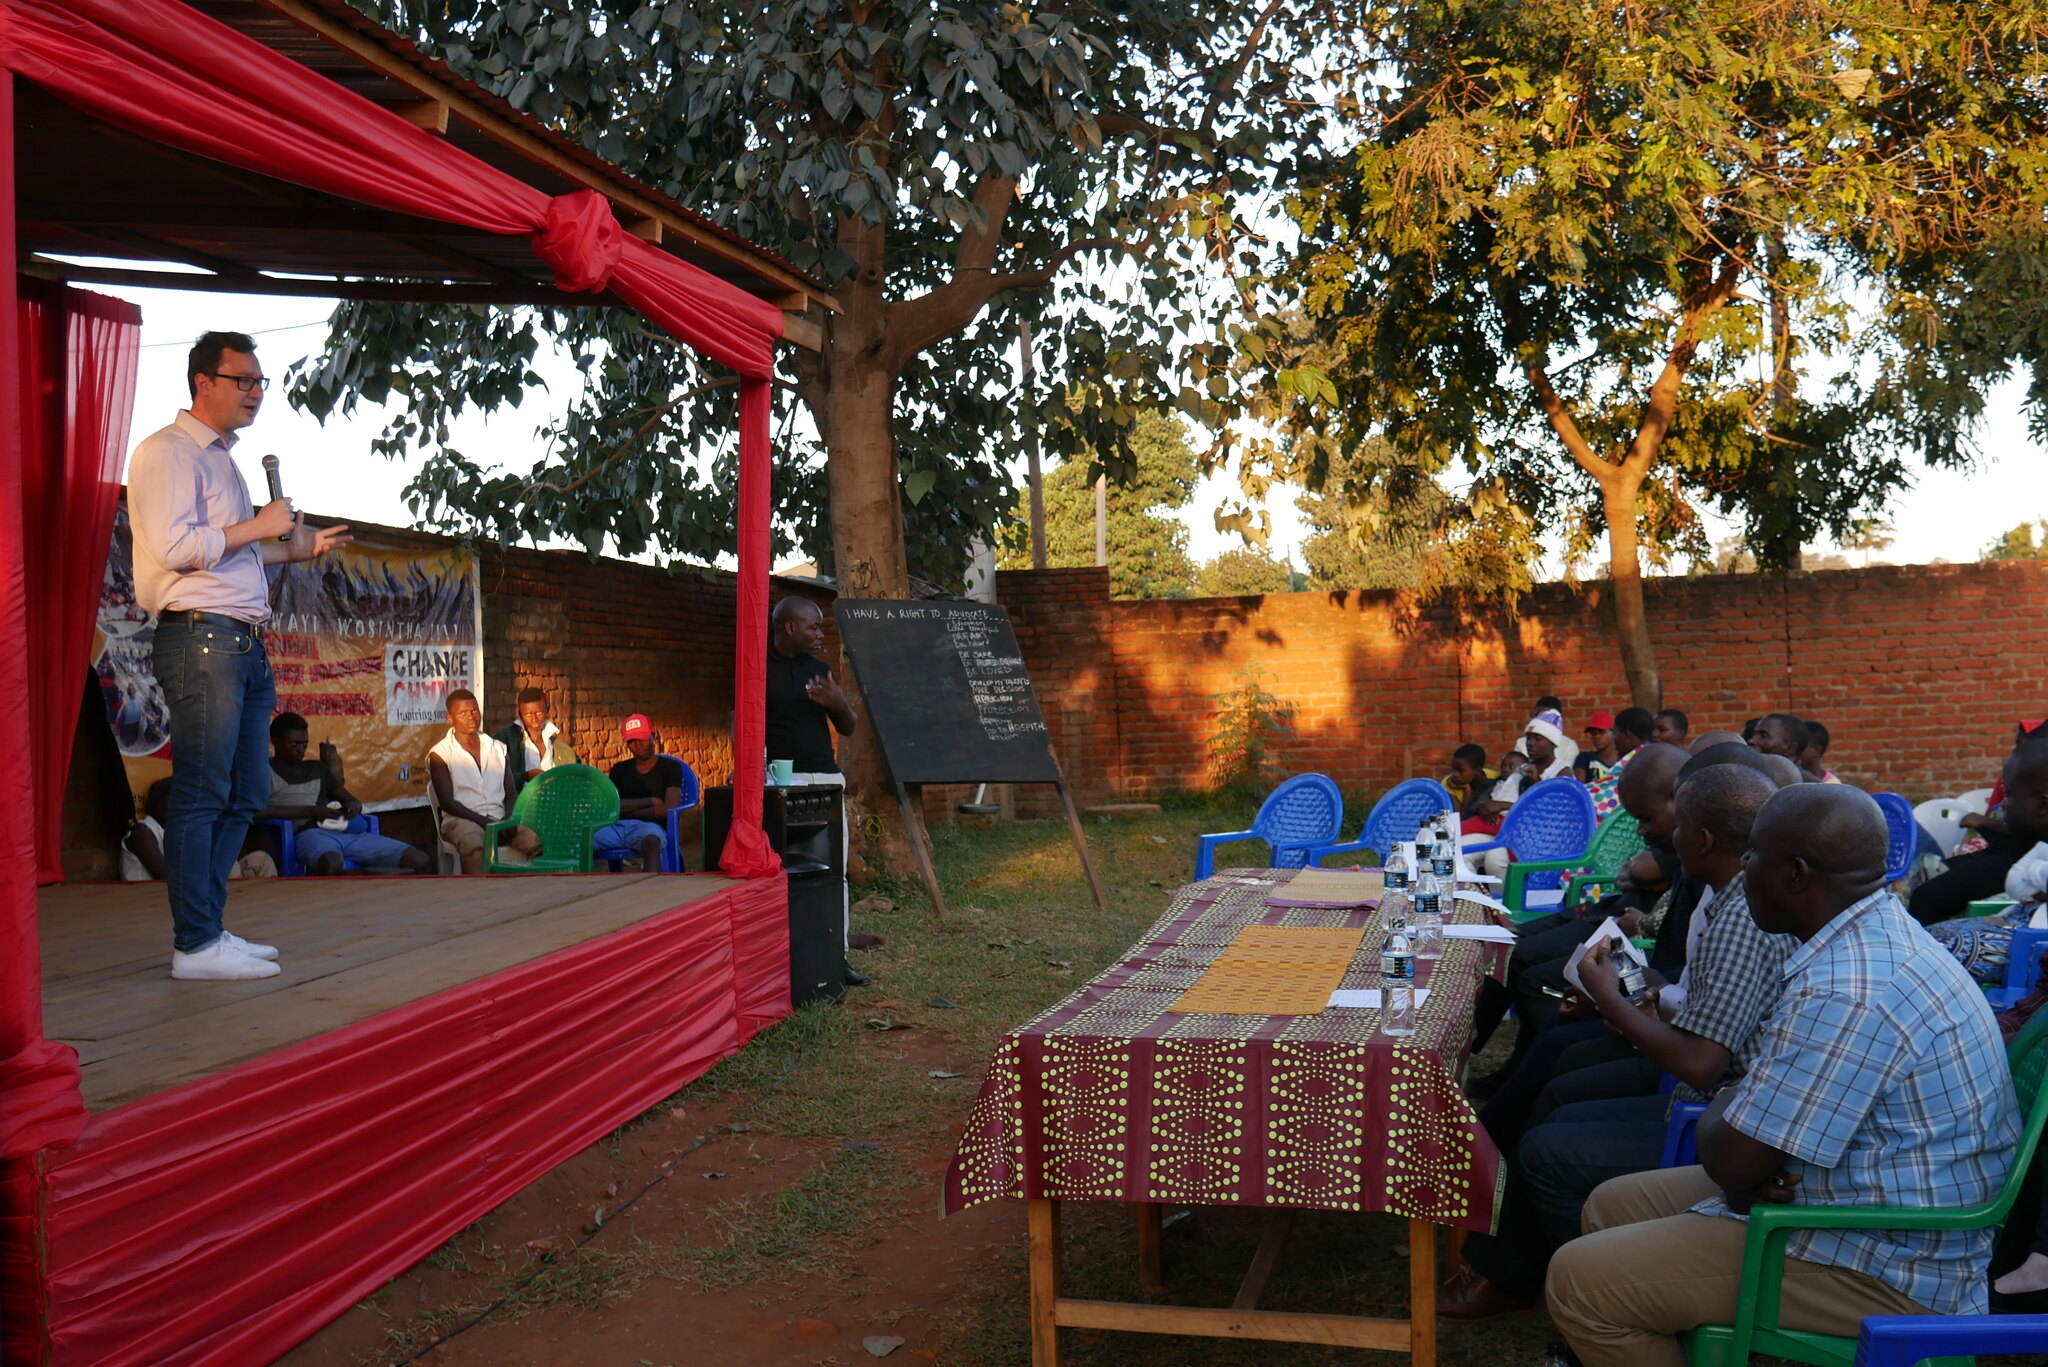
{"points": [[805, 705]]}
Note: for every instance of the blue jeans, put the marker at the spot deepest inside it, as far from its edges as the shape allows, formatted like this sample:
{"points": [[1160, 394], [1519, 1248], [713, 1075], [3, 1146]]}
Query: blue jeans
{"points": [[361, 848], [221, 694], [626, 834]]}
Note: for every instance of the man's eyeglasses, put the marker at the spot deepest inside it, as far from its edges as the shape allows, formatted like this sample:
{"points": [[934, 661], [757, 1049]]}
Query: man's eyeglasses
{"points": [[242, 382]]}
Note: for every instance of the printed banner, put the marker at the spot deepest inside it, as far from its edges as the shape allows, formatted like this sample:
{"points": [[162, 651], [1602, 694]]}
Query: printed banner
{"points": [[366, 645]]}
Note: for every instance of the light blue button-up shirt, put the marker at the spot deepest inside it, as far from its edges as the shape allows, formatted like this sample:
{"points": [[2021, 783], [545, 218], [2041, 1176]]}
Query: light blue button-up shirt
{"points": [[1882, 1075]]}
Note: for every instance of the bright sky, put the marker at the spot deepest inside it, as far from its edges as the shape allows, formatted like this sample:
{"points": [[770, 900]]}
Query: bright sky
{"points": [[330, 469]]}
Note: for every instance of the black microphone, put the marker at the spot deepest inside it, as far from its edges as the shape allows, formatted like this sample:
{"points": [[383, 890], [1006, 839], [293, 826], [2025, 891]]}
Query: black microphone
{"points": [[276, 485]]}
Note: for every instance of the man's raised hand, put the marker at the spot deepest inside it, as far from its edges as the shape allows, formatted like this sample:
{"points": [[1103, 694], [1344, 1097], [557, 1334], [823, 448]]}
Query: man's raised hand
{"points": [[310, 543]]}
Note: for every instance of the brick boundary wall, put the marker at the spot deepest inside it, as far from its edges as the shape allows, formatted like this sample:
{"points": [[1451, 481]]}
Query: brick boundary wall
{"points": [[1919, 671]]}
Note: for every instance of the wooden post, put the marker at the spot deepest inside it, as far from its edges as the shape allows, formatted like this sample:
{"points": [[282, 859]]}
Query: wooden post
{"points": [[1081, 844], [920, 847], [1151, 1268], [1421, 1293], [1043, 1216]]}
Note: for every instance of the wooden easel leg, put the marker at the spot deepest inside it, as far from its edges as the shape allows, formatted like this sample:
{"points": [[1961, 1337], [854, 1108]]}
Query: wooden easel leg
{"points": [[1151, 1266], [1272, 1239], [920, 849], [1081, 844], [1044, 1221], [1421, 1293]]}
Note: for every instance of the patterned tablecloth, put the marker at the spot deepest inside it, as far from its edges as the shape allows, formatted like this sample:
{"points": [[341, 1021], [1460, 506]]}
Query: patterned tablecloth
{"points": [[1108, 1097]]}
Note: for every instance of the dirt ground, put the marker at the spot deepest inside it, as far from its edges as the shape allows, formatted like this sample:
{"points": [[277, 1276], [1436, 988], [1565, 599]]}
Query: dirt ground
{"points": [[783, 1211]]}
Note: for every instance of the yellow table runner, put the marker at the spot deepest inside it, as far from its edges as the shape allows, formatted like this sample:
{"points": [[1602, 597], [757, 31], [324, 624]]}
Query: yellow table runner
{"points": [[1274, 971]]}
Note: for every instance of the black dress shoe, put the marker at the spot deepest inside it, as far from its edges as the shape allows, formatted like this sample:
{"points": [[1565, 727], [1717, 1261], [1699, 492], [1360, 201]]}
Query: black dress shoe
{"points": [[854, 979], [1466, 1295]]}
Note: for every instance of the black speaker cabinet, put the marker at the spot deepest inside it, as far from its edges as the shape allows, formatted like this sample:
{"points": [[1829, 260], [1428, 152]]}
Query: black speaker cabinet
{"points": [[805, 827]]}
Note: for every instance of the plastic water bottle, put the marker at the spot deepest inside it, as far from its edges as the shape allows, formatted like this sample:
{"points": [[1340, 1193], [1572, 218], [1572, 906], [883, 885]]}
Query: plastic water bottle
{"points": [[1443, 859], [1634, 985], [1397, 987], [1428, 916]]}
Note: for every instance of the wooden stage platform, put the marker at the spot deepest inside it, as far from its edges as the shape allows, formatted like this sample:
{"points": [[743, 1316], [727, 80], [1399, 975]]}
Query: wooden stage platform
{"points": [[351, 947], [259, 1156]]}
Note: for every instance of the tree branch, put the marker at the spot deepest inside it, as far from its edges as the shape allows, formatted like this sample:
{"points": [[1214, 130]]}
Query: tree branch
{"points": [[1555, 410], [1664, 392], [938, 313]]}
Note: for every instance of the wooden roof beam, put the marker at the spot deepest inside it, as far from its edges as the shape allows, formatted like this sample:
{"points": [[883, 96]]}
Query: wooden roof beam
{"points": [[537, 150], [402, 291], [431, 115]]}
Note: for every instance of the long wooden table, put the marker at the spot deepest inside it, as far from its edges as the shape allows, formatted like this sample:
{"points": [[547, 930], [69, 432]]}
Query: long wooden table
{"points": [[1110, 1096]]}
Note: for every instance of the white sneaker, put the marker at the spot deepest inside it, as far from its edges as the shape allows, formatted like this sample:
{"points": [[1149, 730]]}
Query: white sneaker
{"points": [[220, 961], [248, 947]]}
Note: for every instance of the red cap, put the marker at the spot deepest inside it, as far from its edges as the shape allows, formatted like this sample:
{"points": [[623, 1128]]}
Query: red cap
{"points": [[637, 727], [1600, 721]]}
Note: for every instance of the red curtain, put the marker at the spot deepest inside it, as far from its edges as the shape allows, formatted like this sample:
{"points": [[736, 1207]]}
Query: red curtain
{"points": [[78, 358], [160, 68]]}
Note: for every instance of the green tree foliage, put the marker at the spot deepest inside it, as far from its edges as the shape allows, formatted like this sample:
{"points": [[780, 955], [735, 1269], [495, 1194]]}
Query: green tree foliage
{"points": [[1148, 550], [2019, 543], [1253, 725], [1617, 260], [1243, 571], [945, 171], [1382, 522]]}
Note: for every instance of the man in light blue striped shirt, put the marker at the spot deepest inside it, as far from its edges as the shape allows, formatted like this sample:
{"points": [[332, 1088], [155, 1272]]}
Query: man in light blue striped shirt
{"points": [[1880, 1081]]}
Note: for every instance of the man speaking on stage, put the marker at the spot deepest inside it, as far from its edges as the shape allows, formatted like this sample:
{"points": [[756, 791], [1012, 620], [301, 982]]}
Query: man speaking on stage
{"points": [[200, 548]]}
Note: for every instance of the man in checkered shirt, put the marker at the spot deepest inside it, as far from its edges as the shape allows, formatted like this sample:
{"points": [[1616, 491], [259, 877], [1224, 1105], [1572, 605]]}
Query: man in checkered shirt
{"points": [[1880, 1081]]}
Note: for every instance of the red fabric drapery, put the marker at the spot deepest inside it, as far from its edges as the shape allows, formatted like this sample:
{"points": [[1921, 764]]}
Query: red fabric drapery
{"points": [[78, 358], [159, 68]]}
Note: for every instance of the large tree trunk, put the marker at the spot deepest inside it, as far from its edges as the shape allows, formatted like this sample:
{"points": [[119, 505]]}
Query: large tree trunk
{"points": [[854, 410], [1618, 497]]}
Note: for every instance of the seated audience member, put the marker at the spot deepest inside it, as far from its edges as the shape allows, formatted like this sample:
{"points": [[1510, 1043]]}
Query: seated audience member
{"points": [[1780, 734], [1550, 754], [650, 787], [1632, 730], [533, 743], [1549, 708], [1977, 870], [1814, 758], [2026, 817], [1709, 739], [1749, 729], [1783, 771], [1715, 1014], [306, 792], [1468, 773], [142, 848], [1669, 727], [475, 785], [1600, 752], [1879, 1081]]}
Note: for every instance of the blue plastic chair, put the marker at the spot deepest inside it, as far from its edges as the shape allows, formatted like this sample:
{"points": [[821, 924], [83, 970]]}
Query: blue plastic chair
{"points": [[1904, 834], [1302, 813], [1906, 1340], [1553, 820], [671, 843], [288, 862], [1396, 817]]}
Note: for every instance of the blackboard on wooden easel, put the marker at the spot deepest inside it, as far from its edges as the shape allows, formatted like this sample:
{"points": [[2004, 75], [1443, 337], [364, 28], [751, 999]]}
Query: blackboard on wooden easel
{"points": [[951, 702]]}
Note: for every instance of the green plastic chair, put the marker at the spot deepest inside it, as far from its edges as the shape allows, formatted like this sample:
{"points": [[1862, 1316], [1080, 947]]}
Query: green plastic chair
{"points": [[1614, 844], [1756, 1327], [565, 806]]}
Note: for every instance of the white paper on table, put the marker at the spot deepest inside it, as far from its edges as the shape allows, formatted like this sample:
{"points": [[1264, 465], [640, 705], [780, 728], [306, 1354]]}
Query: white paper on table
{"points": [[1468, 874], [1499, 935], [1609, 930], [1468, 895], [2039, 921], [1367, 997]]}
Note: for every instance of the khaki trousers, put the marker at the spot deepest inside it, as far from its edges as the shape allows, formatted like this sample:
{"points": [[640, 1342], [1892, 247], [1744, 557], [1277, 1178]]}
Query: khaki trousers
{"points": [[1645, 1271], [468, 839]]}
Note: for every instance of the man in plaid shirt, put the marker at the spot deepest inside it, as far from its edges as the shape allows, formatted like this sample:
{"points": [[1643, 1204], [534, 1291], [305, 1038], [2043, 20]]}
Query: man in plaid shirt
{"points": [[1880, 1081], [1716, 1013]]}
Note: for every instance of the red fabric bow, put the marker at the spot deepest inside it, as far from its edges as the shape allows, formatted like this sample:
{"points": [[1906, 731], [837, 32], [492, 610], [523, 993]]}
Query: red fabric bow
{"points": [[580, 242]]}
